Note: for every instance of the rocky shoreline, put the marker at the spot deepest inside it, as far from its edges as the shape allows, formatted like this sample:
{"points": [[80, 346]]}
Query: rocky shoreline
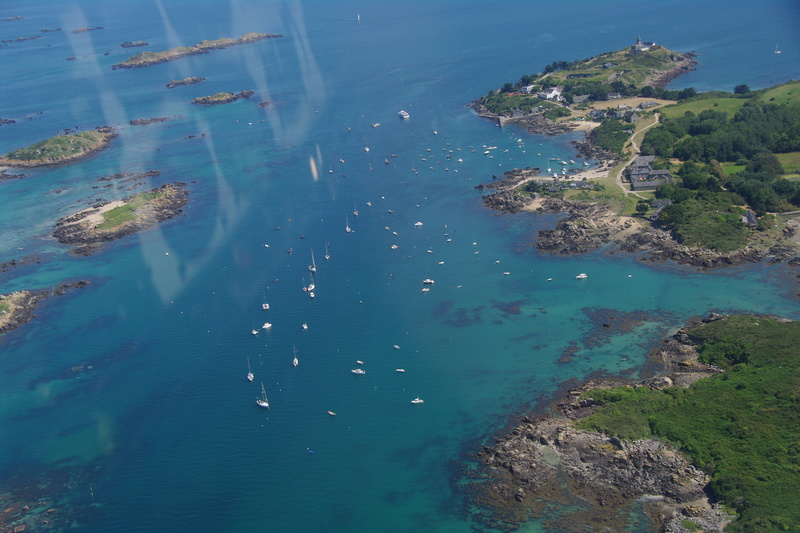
{"points": [[18, 306], [81, 229], [107, 135], [146, 121], [545, 461], [589, 226]]}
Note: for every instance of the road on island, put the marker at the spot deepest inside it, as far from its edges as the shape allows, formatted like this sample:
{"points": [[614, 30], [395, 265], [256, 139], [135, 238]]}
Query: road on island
{"points": [[635, 152]]}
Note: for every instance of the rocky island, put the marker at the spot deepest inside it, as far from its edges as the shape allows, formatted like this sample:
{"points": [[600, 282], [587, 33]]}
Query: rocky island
{"points": [[107, 221], [185, 81], [710, 428], [153, 58], [130, 44], [61, 149], [221, 98]]}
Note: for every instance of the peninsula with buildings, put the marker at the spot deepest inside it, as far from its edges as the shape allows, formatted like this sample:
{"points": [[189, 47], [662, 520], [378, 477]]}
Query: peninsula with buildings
{"points": [[148, 58], [707, 179]]}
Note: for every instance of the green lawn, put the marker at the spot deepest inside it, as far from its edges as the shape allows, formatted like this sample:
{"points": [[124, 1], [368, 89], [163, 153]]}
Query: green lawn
{"points": [[124, 213], [782, 94], [727, 105], [790, 162]]}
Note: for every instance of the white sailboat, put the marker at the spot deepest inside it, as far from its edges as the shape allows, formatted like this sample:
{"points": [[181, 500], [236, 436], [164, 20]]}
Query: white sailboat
{"points": [[347, 225], [263, 402], [250, 375], [313, 266], [355, 209], [777, 51], [295, 362], [327, 255]]}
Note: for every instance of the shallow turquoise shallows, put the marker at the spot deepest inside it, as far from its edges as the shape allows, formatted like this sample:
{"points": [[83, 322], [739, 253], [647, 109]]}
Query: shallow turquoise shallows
{"points": [[125, 404]]}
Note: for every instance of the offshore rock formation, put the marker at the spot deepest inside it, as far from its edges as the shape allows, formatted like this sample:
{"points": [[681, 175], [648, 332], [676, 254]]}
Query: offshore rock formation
{"points": [[153, 58]]}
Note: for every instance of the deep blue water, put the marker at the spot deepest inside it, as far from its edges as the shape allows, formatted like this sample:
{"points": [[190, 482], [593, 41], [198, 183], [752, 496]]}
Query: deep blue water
{"points": [[131, 393]]}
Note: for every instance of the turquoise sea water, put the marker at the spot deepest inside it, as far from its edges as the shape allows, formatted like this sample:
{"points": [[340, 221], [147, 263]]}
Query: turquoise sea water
{"points": [[126, 402]]}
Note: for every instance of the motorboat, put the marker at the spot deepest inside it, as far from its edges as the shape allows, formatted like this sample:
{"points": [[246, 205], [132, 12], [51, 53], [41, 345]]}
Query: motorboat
{"points": [[401, 370], [581, 276], [265, 306], [418, 224], [417, 400], [396, 347], [358, 371], [254, 331], [266, 325], [331, 413], [428, 281], [304, 326], [403, 114]]}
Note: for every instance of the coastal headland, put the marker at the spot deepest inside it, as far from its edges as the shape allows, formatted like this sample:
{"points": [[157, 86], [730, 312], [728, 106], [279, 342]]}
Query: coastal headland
{"points": [[60, 150], [88, 229], [678, 443], [145, 59]]}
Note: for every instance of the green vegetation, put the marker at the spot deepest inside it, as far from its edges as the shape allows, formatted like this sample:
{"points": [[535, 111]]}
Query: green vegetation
{"points": [[725, 104], [59, 149], [125, 213], [618, 72], [741, 427], [709, 220], [790, 162], [4, 308], [611, 135]]}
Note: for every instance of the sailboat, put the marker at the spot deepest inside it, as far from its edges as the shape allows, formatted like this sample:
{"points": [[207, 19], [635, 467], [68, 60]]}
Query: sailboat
{"points": [[327, 255], [313, 266], [355, 209], [776, 49], [249, 372], [263, 402], [295, 362], [347, 225]]}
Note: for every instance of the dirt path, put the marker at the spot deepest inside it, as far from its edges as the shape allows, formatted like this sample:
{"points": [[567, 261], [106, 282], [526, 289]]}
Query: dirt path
{"points": [[634, 145]]}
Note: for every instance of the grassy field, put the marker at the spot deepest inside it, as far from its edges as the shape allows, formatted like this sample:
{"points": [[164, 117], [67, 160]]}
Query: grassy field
{"points": [[124, 213], [727, 105], [790, 162], [782, 94]]}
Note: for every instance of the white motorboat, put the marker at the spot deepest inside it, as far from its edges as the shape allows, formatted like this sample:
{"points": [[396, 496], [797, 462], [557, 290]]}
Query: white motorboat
{"points": [[396, 347], [581, 276], [417, 400], [425, 289], [254, 331], [263, 401], [358, 371], [418, 224], [250, 375], [428, 281], [403, 114], [305, 326], [266, 325], [395, 247], [401, 370], [265, 306]]}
